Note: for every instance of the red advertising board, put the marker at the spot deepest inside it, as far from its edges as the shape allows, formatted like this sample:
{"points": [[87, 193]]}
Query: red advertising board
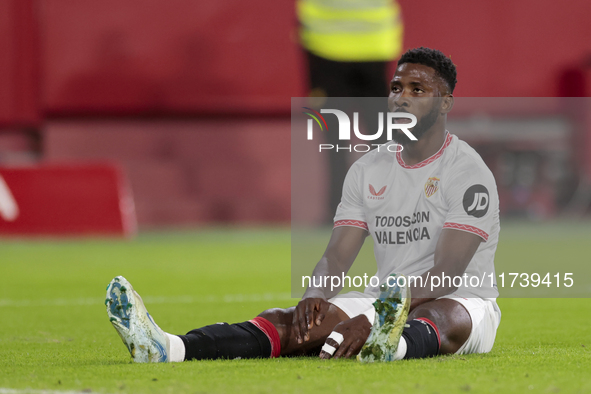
{"points": [[65, 199]]}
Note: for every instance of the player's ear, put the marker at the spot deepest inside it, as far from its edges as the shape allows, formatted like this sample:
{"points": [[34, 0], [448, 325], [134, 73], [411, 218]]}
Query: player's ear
{"points": [[447, 104]]}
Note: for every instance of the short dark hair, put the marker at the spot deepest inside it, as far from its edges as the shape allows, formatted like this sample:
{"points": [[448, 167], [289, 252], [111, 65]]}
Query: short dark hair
{"points": [[435, 59]]}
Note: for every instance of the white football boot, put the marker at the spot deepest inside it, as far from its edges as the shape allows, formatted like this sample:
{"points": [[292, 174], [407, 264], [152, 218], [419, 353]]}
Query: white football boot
{"points": [[146, 342], [392, 308]]}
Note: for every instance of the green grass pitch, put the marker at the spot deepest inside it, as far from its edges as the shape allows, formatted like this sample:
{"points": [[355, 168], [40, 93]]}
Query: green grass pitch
{"points": [[55, 335]]}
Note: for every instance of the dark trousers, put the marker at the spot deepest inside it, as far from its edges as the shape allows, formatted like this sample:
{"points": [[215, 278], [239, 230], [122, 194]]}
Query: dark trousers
{"points": [[328, 78]]}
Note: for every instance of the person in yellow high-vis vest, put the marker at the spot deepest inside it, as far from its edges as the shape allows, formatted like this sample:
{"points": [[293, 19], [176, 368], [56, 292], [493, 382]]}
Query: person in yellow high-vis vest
{"points": [[351, 30], [348, 45]]}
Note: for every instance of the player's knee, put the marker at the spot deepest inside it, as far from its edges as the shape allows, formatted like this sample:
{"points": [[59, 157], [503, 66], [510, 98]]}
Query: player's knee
{"points": [[282, 320], [274, 315], [452, 321], [426, 313], [437, 318]]}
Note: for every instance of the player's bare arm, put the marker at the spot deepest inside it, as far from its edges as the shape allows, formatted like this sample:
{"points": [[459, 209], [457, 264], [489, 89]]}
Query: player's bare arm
{"points": [[453, 253], [343, 247]]}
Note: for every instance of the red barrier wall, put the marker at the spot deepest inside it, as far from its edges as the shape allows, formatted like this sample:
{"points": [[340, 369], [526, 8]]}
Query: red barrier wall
{"points": [[503, 48], [186, 172], [19, 61], [230, 56], [234, 56], [177, 56], [65, 199]]}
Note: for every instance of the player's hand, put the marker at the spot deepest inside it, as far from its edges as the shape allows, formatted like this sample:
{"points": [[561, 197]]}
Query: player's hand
{"points": [[308, 312], [355, 332]]}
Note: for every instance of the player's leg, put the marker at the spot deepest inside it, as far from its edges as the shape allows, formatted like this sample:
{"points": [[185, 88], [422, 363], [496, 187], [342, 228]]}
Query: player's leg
{"points": [[282, 320], [440, 326], [448, 318], [483, 315], [445, 326], [146, 342], [267, 335]]}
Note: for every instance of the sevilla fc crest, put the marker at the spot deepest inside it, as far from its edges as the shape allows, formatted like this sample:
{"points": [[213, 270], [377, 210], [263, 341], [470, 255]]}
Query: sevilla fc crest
{"points": [[431, 186]]}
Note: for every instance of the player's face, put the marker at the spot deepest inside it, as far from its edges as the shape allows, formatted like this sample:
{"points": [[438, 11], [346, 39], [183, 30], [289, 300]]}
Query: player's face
{"points": [[416, 89]]}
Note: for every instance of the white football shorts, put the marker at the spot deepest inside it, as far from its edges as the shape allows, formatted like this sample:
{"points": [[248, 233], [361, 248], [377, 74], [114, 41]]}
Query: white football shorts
{"points": [[484, 312]]}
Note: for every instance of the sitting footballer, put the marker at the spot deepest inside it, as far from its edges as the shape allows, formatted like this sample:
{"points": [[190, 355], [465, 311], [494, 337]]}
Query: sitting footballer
{"points": [[436, 177]]}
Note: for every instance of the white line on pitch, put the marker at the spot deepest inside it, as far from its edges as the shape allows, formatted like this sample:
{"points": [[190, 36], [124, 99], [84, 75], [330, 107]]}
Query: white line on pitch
{"points": [[31, 391], [150, 300]]}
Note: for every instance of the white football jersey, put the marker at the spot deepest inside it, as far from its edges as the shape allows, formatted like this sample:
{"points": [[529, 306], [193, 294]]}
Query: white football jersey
{"points": [[405, 208]]}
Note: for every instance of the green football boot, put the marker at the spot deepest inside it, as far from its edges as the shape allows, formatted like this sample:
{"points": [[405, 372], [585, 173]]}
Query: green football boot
{"points": [[392, 308], [146, 342]]}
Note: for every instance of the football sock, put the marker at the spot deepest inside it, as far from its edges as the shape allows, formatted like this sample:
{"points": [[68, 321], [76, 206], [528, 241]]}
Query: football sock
{"points": [[420, 339], [252, 339], [401, 349], [176, 353]]}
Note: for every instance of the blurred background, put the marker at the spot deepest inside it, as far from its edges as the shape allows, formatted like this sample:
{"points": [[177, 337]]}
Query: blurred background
{"points": [[118, 115]]}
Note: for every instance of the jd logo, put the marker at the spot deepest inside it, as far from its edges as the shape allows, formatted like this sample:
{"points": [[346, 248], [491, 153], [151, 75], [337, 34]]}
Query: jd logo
{"points": [[476, 201], [345, 124]]}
